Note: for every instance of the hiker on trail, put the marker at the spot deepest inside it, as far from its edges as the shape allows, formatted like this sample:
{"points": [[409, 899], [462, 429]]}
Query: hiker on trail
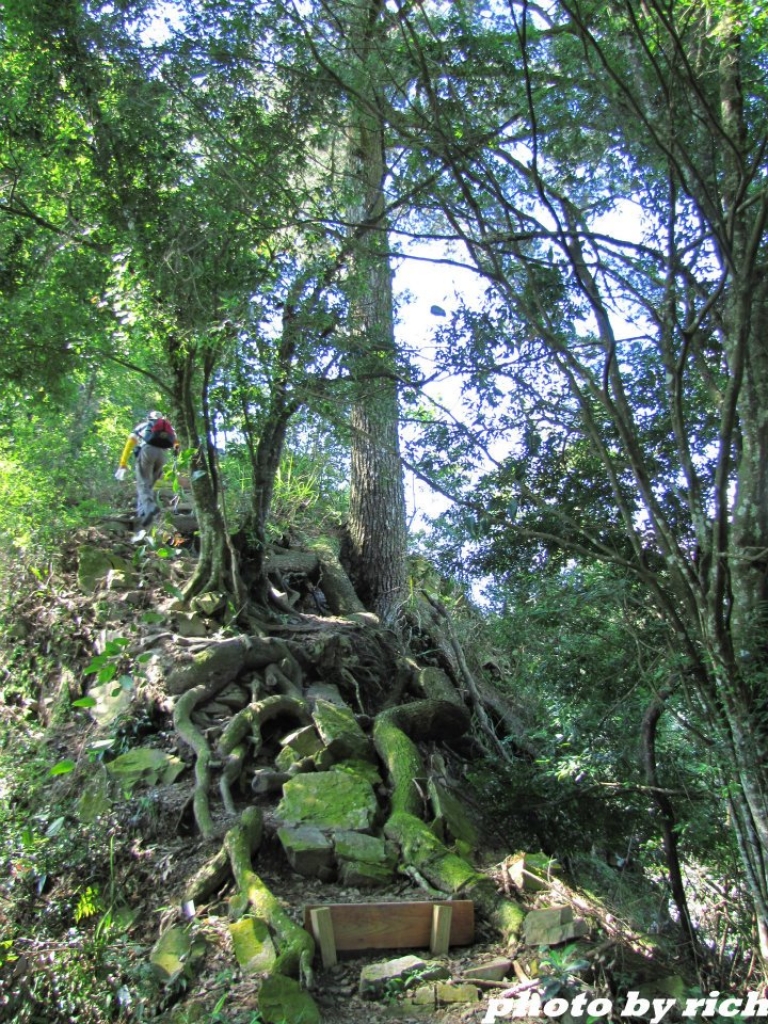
{"points": [[150, 441]]}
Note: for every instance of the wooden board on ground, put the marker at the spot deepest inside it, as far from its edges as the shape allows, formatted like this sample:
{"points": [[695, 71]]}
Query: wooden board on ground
{"points": [[407, 925]]}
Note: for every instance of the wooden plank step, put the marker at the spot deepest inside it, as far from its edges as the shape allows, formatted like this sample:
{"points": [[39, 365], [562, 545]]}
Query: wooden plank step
{"points": [[406, 925]]}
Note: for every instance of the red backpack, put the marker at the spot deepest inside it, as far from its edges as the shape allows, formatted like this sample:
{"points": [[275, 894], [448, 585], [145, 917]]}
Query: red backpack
{"points": [[160, 434]]}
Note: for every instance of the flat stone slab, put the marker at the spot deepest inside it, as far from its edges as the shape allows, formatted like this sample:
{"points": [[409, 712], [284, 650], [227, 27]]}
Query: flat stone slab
{"points": [[492, 970], [324, 691], [532, 872], [446, 993], [376, 978], [283, 999], [254, 949], [304, 742], [358, 846], [364, 861], [301, 743], [443, 993], [358, 875]]}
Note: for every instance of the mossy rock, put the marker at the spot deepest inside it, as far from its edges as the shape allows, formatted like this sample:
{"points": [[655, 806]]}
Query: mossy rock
{"points": [[281, 999], [364, 876], [309, 851], [397, 975], [329, 800], [363, 769], [532, 872], [96, 567], [145, 765], [341, 732], [302, 742], [364, 861], [174, 953], [367, 849], [435, 684], [254, 949]]}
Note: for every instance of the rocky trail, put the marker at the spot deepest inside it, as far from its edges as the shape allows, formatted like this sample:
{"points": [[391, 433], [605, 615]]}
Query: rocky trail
{"points": [[313, 759]]}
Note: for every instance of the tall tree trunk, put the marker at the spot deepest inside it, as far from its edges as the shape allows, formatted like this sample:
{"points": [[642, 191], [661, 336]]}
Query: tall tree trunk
{"points": [[377, 530]]}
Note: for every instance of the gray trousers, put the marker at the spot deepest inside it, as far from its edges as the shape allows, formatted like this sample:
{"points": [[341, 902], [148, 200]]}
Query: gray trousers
{"points": [[150, 462]]}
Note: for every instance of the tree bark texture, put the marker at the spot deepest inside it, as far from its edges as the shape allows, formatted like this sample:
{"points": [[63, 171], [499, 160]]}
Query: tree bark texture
{"points": [[377, 529]]}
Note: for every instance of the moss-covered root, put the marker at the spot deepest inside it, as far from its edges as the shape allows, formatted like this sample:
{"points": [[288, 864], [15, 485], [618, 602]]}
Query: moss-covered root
{"points": [[420, 847], [403, 763], [446, 871], [392, 732], [251, 718], [233, 768], [232, 747], [295, 946], [191, 735], [215, 872], [508, 917]]}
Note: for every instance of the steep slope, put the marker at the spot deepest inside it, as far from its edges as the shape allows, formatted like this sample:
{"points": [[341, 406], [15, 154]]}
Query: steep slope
{"points": [[187, 784]]}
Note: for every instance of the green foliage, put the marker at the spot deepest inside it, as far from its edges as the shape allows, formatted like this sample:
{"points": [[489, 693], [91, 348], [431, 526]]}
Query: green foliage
{"points": [[310, 494], [310, 486], [37, 510], [56, 469], [533, 807], [54, 969], [69, 895], [560, 970], [105, 666], [89, 904]]}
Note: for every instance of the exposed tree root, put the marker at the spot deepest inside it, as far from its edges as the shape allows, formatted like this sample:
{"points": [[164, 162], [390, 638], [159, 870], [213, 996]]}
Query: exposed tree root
{"points": [[224, 660], [321, 565], [247, 724], [425, 858], [468, 681], [421, 849], [192, 735], [356, 657], [295, 946], [216, 871], [209, 878]]}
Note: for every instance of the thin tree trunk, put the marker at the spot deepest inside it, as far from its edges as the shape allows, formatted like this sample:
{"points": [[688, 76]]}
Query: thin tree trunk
{"points": [[666, 817], [218, 564]]}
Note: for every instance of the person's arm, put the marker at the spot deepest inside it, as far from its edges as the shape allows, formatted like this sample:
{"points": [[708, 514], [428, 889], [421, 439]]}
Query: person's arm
{"points": [[130, 444]]}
